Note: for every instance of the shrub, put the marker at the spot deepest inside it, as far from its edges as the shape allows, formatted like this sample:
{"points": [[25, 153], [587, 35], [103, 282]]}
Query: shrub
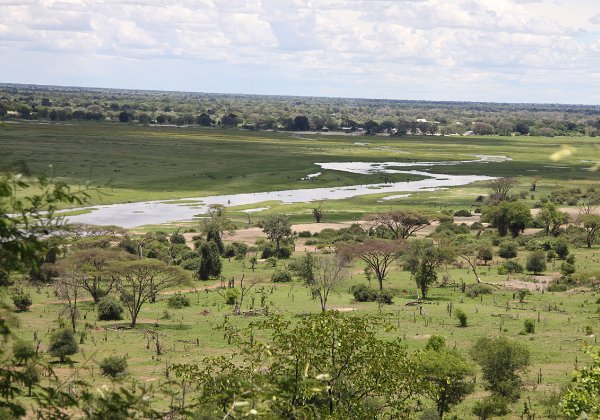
{"points": [[285, 252], [557, 287], [492, 406], [567, 269], [109, 309], [435, 343], [571, 259], [363, 293], [22, 301], [191, 264], [178, 301], [268, 251], [477, 226], [511, 267], [508, 249], [462, 213], [63, 344], [281, 276], [485, 253], [304, 234], [462, 317], [529, 325], [561, 246], [23, 351], [177, 238], [536, 262], [474, 290], [231, 296], [114, 366], [551, 255]]}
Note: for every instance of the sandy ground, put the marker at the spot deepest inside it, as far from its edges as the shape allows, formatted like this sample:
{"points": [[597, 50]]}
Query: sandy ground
{"points": [[540, 283]]}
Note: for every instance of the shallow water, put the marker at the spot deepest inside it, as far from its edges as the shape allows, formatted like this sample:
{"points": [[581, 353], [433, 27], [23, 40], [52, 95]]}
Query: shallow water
{"points": [[131, 215]]}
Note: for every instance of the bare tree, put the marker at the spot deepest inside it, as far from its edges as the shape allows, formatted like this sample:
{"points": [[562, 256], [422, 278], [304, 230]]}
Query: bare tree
{"points": [[401, 223], [69, 287], [378, 254], [535, 182], [328, 272], [501, 187]]}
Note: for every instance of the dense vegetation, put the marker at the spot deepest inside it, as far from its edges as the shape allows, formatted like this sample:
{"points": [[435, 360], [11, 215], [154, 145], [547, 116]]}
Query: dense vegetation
{"points": [[295, 113]]}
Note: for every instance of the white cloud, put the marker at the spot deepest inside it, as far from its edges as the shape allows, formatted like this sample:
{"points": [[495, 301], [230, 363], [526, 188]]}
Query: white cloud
{"points": [[378, 46]]}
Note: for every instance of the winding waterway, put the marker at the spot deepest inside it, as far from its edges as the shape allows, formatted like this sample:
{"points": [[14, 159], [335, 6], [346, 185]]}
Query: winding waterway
{"points": [[131, 215]]}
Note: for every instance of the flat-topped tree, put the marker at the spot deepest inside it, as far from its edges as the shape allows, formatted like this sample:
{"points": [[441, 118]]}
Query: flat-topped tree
{"points": [[378, 254], [401, 223], [140, 281]]}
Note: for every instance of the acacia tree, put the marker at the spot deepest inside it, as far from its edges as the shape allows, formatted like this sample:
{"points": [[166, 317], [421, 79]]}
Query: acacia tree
{"points": [[552, 219], [401, 223], [423, 259], [140, 281], [501, 187], [378, 254], [216, 225], [591, 223], [277, 228]]}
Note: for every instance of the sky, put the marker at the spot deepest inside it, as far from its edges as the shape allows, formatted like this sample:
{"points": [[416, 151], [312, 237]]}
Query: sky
{"points": [[457, 50]]}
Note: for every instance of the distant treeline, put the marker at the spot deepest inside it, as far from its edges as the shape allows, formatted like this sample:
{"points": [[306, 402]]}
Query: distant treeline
{"points": [[256, 112]]}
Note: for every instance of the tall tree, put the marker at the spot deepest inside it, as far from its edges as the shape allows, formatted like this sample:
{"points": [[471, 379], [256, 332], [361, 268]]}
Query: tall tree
{"points": [[423, 259], [378, 254], [507, 217], [277, 228], [500, 188], [326, 275], [552, 219], [591, 223]]}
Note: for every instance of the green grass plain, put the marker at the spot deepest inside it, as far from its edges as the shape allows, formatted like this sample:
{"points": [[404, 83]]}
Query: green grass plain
{"points": [[145, 163]]}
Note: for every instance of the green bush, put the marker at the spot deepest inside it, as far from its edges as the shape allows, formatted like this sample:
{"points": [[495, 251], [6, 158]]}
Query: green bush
{"points": [[567, 269], [177, 238], [536, 262], [492, 406], [511, 267], [477, 226], [304, 234], [178, 301], [557, 287], [23, 351], [462, 213], [462, 317], [22, 301], [561, 246], [363, 293], [474, 290], [231, 296], [63, 344], [191, 264], [529, 325], [109, 309], [435, 343], [114, 366], [281, 276], [508, 249]]}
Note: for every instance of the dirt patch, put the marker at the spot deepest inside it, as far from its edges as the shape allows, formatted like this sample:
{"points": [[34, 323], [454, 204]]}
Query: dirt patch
{"points": [[539, 283], [346, 309]]}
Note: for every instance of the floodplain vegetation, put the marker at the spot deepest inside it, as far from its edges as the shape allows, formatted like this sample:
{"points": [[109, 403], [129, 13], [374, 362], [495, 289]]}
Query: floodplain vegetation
{"points": [[473, 302]]}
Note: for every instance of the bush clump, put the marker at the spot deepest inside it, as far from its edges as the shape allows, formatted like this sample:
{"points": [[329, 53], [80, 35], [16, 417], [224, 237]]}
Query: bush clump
{"points": [[474, 290], [22, 301], [463, 213], [363, 293], [536, 261], [109, 309], [114, 366], [281, 276], [231, 296], [23, 351], [304, 234], [63, 344], [462, 317], [529, 326], [178, 301], [510, 267]]}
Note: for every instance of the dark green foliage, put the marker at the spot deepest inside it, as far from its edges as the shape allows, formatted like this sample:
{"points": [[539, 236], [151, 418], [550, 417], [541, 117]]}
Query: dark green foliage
{"points": [[567, 269], [462, 317], [114, 366], [215, 237], [178, 301], [485, 253], [281, 276], [561, 247], [304, 267], [232, 296], [508, 249], [192, 264], [304, 234], [177, 238], [511, 267], [536, 262], [23, 351], [109, 309], [449, 229], [363, 293], [63, 344], [22, 301], [210, 263], [474, 290], [501, 361], [462, 213], [477, 226], [507, 217]]}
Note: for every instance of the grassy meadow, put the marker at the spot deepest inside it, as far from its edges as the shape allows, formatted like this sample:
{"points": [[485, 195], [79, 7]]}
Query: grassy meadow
{"points": [[140, 163]]}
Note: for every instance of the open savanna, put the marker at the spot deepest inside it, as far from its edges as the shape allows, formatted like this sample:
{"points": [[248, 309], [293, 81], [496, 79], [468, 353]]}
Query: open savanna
{"points": [[137, 163], [188, 335]]}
